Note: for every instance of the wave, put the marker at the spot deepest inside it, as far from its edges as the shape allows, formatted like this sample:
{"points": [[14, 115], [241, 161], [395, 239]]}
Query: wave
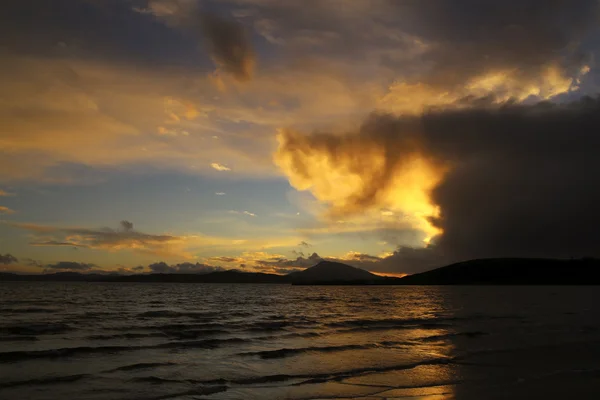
{"points": [[200, 344], [436, 338], [178, 314], [298, 334], [288, 352], [325, 377], [134, 367], [13, 356], [28, 310], [203, 391], [44, 381], [185, 327], [127, 336], [18, 338], [194, 333], [35, 329], [197, 391], [263, 326], [389, 322]]}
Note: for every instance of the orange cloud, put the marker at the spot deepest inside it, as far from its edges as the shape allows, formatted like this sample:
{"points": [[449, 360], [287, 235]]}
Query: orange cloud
{"points": [[354, 175], [219, 167], [6, 210]]}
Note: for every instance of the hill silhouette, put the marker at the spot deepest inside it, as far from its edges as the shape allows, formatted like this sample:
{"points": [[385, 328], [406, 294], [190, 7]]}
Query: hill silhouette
{"points": [[511, 271], [329, 271], [493, 271]]}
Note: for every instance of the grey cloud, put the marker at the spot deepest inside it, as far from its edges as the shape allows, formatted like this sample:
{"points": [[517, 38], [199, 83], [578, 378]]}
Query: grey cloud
{"points": [[407, 260], [103, 238], [439, 43], [126, 225], [182, 268], [8, 259], [160, 267], [301, 262], [139, 268], [69, 266], [471, 36], [229, 45], [97, 30], [56, 243]]}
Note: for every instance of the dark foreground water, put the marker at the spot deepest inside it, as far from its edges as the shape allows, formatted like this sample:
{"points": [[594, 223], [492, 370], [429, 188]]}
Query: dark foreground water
{"points": [[199, 341]]}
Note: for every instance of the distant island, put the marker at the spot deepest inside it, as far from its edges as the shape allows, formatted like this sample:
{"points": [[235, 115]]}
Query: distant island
{"points": [[492, 271]]}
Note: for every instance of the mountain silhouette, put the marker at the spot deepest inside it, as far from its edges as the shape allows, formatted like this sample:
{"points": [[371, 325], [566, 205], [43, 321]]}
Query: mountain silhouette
{"points": [[492, 271], [329, 271], [511, 271]]}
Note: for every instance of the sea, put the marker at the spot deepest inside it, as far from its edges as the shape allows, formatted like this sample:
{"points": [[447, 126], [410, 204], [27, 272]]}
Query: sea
{"points": [[156, 341]]}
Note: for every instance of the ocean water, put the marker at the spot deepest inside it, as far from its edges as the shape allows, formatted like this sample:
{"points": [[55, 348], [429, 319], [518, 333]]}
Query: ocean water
{"points": [[201, 341]]}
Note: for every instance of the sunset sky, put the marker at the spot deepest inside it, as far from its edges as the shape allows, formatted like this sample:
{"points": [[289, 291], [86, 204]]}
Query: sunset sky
{"points": [[263, 135]]}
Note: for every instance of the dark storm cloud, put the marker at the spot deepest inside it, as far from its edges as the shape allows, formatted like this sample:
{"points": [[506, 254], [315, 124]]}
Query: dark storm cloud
{"points": [[182, 268], [522, 180], [471, 37], [440, 43], [6, 259], [229, 45]]}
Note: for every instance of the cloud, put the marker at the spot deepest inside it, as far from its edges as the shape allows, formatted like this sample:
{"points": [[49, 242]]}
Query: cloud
{"points": [[5, 194], [520, 50], [69, 266], [249, 213], [220, 194], [57, 243], [6, 210], [182, 268], [229, 46], [220, 167], [8, 259], [354, 173], [126, 225], [510, 180], [109, 239], [280, 262], [304, 244]]}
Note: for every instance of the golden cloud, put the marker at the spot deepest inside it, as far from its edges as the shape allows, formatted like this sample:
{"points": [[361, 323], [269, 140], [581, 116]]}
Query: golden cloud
{"points": [[6, 210], [355, 175], [219, 167]]}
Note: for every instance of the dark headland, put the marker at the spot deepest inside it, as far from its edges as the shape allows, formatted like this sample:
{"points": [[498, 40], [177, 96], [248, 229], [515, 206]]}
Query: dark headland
{"points": [[493, 271]]}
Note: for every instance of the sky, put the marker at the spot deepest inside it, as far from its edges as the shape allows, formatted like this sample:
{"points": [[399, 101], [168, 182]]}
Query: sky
{"points": [[393, 135]]}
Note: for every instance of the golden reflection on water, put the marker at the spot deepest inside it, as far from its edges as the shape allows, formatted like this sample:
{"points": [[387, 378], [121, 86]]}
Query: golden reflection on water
{"points": [[393, 357]]}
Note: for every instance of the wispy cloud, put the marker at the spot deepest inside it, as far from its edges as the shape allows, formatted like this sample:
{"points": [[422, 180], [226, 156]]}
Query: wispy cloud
{"points": [[249, 213], [6, 210], [5, 194], [125, 238], [220, 194], [220, 167]]}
